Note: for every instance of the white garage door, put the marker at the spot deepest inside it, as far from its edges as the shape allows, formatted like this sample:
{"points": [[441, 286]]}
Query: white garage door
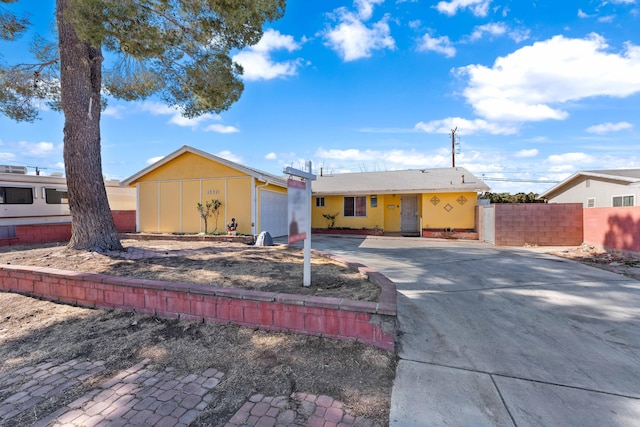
{"points": [[273, 213]]}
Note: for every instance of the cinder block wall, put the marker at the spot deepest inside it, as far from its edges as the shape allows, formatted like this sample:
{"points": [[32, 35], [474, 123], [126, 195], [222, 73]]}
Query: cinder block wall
{"points": [[542, 224], [47, 233], [613, 228]]}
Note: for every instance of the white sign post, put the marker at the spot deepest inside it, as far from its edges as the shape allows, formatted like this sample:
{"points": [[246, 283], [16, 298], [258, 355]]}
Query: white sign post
{"points": [[299, 214]]}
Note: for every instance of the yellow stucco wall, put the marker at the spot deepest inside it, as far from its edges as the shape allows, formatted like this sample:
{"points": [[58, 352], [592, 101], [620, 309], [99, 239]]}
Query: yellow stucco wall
{"points": [[169, 194], [388, 213], [169, 207], [190, 166], [148, 206], [461, 213], [238, 203], [333, 204]]}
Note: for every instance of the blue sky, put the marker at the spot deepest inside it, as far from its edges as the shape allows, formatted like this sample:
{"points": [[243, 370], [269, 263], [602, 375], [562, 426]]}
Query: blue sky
{"points": [[537, 91]]}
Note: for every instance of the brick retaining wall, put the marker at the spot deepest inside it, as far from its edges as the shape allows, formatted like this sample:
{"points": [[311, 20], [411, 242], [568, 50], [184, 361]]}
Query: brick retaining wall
{"points": [[373, 323], [125, 221]]}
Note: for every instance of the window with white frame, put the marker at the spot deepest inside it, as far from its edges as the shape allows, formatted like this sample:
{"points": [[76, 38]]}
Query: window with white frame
{"points": [[16, 196], [55, 196], [355, 206], [618, 201], [319, 202]]}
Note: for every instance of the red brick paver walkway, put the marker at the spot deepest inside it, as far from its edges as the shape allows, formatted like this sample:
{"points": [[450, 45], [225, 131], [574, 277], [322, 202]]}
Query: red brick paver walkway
{"points": [[143, 395]]}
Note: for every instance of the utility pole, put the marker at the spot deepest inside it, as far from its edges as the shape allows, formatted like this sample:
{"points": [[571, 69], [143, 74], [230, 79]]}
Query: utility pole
{"points": [[453, 147]]}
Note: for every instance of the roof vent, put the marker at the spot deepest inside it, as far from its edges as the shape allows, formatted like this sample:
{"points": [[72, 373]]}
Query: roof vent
{"points": [[18, 170]]}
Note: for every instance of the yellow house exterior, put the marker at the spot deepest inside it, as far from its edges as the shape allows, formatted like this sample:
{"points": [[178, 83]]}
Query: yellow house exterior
{"points": [[408, 201], [169, 190]]}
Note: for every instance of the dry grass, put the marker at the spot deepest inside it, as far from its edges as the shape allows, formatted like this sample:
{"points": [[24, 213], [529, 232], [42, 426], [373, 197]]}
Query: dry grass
{"points": [[273, 364], [271, 269]]}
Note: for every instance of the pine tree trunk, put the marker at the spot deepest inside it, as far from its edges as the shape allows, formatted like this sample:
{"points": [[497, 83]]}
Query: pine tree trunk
{"points": [[93, 227]]}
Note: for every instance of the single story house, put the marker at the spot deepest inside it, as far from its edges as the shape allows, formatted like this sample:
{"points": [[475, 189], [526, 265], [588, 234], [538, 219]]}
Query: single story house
{"points": [[410, 202], [598, 189], [169, 190]]}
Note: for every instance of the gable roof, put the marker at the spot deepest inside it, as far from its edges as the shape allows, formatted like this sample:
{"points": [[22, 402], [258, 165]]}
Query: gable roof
{"points": [[256, 173], [628, 176], [412, 181]]}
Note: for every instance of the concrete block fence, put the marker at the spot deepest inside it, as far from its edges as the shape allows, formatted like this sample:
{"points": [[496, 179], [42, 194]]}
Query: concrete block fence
{"points": [[29, 234], [616, 229], [542, 224], [372, 323]]}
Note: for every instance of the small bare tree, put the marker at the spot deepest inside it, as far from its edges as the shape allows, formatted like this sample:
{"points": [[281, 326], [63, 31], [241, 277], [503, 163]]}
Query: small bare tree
{"points": [[331, 219], [207, 210]]}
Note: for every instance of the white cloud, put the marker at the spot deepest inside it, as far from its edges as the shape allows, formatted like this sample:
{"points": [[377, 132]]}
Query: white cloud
{"points": [[113, 111], [533, 82], [7, 156], [607, 19], [399, 158], [257, 62], [533, 152], [152, 160], [609, 127], [466, 126], [494, 29], [569, 162], [353, 39], [498, 29], [226, 154], [583, 15], [180, 120], [271, 156], [440, 45], [159, 109], [365, 8], [622, 1], [477, 7], [221, 128], [40, 149]]}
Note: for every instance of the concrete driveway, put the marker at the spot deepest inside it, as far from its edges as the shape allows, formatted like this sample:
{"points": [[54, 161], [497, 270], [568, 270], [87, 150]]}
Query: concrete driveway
{"points": [[505, 337]]}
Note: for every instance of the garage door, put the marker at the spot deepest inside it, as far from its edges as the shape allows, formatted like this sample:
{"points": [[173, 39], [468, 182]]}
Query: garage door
{"points": [[273, 213]]}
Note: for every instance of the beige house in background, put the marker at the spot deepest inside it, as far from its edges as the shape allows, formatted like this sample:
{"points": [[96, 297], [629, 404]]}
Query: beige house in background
{"points": [[598, 189]]}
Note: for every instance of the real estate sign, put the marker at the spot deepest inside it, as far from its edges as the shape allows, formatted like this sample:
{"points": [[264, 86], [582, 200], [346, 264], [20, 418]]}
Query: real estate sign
{"points": [[298, 212]]}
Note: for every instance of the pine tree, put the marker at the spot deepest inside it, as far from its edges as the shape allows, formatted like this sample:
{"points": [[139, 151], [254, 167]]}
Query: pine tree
{"points": [[179, 50]]}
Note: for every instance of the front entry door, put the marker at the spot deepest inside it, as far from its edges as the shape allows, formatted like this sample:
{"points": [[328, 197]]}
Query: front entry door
{"points": [[409, 220]]}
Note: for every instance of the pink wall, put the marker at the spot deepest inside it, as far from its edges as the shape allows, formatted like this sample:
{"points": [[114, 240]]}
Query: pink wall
{"points": [[46, 233], [542, 224], [613, 228]]}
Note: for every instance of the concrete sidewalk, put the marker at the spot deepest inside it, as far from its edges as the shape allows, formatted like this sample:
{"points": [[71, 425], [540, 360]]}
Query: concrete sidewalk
{"points": [[505, 336]]}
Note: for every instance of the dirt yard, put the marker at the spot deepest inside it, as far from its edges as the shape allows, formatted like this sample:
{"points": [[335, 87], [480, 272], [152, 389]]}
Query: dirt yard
{"points": [[590, 255], [273, 364], [263, 268]]}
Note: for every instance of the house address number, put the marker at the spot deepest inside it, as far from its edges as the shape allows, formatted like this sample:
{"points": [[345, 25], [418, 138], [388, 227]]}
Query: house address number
{"points": [[210, 191]]}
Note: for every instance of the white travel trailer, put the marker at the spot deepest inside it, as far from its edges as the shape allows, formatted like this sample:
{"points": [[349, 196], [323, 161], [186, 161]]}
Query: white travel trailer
{"points": [[38, 200]]}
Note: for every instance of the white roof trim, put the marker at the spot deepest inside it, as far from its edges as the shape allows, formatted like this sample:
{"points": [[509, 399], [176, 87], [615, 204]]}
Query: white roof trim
{"points": [[255, 173], [589, 174]]}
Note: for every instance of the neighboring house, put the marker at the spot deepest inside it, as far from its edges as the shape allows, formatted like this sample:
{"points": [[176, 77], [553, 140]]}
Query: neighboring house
{"points": [[169, 190], [598, 189], [406, 201]]}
